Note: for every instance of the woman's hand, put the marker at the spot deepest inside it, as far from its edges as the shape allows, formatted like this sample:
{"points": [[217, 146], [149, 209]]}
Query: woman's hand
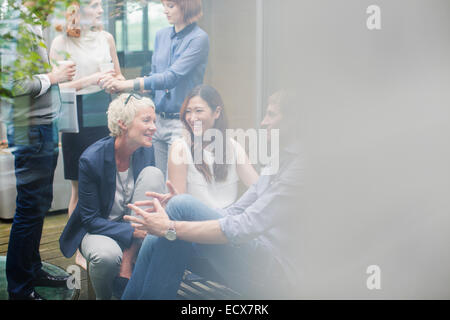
{"points": [[156, 223], [114, 85], [95, 77], [139, 234]]}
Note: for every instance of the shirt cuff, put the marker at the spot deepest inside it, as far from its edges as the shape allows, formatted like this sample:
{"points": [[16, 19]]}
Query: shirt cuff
{"points": [[224, 226], [148, 83], [45, 84]]}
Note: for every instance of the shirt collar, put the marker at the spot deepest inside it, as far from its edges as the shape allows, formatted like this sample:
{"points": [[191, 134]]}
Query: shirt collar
{"points": [[183, 32]]}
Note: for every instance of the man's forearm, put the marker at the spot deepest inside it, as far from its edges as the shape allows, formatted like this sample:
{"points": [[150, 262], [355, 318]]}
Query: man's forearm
{"points": [[30, 87], [205, 232]]}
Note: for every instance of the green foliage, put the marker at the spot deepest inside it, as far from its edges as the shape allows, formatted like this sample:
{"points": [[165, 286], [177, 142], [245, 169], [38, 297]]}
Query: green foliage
{"points": [[18, 42], [18, 59]]}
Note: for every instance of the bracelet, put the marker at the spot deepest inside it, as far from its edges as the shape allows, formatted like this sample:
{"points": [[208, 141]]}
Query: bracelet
{"points": [[137, 84]]}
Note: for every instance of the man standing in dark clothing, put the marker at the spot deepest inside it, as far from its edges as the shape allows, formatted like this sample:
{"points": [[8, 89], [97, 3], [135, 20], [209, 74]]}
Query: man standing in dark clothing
{"points": [[33, 138]]}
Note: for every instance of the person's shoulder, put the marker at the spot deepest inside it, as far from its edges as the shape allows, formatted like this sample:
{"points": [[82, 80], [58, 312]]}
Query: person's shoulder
{"points": [[180, 145], [146, 151], [166, 31], [199, 38], [58, 41], [200, 32], [108, 36], [180, 142], [96, 150], [179, 148]]}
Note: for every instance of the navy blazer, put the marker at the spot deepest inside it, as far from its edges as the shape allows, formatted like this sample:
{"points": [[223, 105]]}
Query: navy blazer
{"points": [[96, 189]]}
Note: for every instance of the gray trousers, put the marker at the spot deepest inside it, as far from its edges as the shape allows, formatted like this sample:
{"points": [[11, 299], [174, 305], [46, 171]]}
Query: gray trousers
{"points": [[168, 131], [103, 254]]}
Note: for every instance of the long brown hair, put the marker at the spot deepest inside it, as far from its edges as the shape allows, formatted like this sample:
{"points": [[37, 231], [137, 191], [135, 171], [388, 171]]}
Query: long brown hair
{"points": [[214, 100]]}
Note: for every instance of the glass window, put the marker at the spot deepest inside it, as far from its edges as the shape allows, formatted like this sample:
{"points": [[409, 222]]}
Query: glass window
{"points": [[119, 35], [156, 20], [134, 27]]}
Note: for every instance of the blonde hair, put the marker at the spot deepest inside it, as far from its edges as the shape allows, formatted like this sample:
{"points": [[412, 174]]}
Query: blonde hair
{"points": [[119, 111]]}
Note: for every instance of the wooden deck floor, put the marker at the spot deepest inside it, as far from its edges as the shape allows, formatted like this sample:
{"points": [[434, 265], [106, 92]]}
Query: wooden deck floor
{"points": [[50, 252]]}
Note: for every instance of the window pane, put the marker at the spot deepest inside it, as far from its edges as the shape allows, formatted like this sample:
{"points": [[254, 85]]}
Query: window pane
{"points": [[134, 26], [119, 35], [156, 20]]}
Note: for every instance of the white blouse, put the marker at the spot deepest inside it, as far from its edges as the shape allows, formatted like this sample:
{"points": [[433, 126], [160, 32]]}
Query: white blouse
{"points": [[217, 194], [88, 51]]}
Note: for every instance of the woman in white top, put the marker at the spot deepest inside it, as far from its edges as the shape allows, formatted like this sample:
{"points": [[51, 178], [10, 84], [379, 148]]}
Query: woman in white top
{"points": [[94, 53], [208, 169]]}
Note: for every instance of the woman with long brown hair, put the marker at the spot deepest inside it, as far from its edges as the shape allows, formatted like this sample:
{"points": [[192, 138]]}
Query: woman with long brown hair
{"points": [[205, 163]]}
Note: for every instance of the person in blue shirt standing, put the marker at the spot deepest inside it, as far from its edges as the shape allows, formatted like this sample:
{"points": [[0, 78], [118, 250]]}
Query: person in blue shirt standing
{"points": [[178, 65]]}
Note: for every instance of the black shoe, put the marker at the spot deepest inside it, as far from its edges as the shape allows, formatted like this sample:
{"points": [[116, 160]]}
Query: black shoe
{"points": [[32, 296], [44, 279]]}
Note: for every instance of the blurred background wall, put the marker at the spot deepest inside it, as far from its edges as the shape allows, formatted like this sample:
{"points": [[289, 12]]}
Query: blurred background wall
{"points": [[376, 132]]}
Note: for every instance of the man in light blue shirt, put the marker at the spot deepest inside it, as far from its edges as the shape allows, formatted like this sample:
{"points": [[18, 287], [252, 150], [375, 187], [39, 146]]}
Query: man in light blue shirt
{"points": [[250, 245]]}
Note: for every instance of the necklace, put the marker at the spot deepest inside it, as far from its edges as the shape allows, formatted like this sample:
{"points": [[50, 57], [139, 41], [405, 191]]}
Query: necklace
{"points": [[127, 193]]}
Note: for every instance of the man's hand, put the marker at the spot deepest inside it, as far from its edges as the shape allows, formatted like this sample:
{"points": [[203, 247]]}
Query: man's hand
{"points": [[156, 223], [62, 73]]}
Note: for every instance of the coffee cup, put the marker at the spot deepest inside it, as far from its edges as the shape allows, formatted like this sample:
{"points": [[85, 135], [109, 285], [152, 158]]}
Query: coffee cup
{"points": [[64, 62]]}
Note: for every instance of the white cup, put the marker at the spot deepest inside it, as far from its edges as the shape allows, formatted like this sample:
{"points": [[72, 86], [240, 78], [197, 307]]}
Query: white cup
{"points": [[107, 67], [64, 62]]}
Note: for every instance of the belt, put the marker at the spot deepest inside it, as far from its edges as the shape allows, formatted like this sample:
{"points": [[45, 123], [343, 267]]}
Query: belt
{"points": [[168, 115]]}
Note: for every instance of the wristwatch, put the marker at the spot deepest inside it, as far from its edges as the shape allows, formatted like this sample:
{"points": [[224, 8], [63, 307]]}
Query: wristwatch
{"points": [[137, 85], [171, 233]]}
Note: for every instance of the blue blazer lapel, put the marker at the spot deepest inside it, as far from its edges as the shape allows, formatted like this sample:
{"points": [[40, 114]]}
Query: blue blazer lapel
{"points": [[109, 188]]}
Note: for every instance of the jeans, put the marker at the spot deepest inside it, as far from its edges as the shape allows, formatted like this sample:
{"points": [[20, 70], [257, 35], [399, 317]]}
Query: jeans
{"points": [[35, 150], [249, 269], [168, 130]]}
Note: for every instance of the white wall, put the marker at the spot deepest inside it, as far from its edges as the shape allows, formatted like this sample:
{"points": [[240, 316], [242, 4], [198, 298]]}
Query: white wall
{"points": [[376, 130], [231, 26]]}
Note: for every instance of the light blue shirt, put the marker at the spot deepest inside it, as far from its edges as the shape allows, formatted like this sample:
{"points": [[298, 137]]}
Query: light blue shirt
{"points": [[266, 211], [178, 65]]}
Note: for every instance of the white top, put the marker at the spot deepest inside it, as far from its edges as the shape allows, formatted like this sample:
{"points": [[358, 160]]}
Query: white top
{"points": [[88, 51], [215, 194]]}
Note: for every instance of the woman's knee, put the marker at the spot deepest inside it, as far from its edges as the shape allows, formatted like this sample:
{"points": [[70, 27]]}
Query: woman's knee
{"points": [[106, 258], [152, 179]]}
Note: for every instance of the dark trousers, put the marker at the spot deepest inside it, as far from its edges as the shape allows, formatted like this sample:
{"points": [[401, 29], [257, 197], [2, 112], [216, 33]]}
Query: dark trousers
{"points": [[35, 150]]}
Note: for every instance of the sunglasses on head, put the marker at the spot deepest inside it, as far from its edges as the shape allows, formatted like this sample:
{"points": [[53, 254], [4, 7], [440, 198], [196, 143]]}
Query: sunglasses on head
{"points": [[134, 95]]}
